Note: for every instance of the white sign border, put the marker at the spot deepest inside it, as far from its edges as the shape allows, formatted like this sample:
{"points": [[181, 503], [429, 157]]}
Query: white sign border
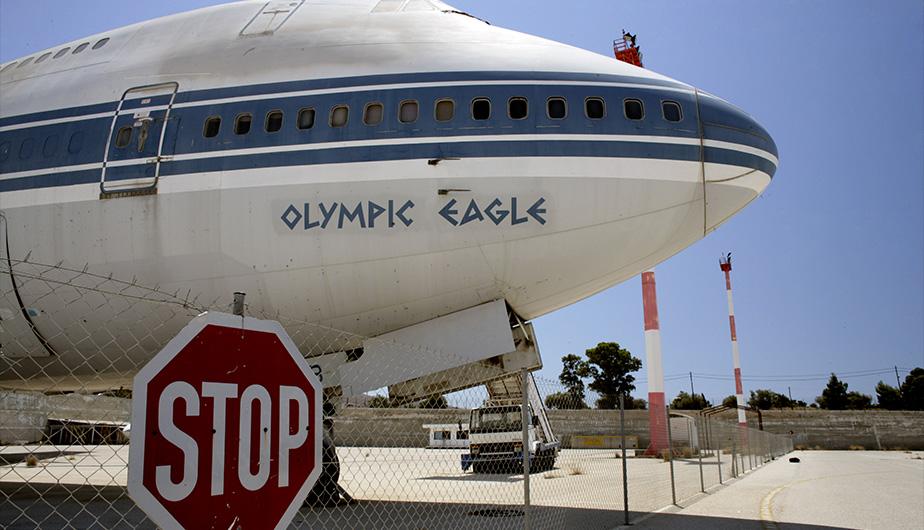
{"points": [[136, 490]]}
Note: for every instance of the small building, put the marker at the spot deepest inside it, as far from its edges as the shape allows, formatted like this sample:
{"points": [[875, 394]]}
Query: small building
{"points": [[447, 435]]}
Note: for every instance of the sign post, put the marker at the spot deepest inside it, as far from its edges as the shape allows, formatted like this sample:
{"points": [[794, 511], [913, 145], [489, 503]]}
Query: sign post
{"points": [[227, 429]]}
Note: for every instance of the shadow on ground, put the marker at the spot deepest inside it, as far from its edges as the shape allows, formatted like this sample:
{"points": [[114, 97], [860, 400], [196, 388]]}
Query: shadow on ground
{"points": [[50, 506]]}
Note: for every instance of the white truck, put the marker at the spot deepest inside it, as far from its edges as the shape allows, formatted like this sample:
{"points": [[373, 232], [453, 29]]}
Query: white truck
{"points": [[496, 430]]}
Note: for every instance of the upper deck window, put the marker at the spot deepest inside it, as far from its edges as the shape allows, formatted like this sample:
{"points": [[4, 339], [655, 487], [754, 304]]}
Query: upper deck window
{"points": [[408, 111], [373, 113], [517, 108], [481, 109], [242, 123], [51, 145], [445, 110], [671, 111], [62, 52], [80, 48], [100, 43], [24, 63], [4, 151], [273, 121], [25, 150], [557, 108], [305, 119], [595, 108], [212, 126], [7, 67], [339, 116], [43, 57], [634, 109]]}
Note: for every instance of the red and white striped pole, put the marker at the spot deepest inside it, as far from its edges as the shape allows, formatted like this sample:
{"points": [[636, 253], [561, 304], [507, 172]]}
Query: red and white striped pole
{"points": [[657, 417], [725, 265]]}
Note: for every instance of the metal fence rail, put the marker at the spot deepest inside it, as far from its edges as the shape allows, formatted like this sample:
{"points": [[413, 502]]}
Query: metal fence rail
{"points": [[65, 434]]}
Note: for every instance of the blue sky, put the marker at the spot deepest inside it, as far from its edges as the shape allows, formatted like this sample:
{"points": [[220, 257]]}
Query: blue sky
{"points": [[828, 263]]}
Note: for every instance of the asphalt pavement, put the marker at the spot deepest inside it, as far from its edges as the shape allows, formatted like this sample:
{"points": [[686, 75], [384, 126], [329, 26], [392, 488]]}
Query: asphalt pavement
{"points": [[826, 489]]}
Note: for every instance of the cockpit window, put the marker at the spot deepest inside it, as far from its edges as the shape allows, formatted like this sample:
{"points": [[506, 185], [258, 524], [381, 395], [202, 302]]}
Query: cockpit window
{"points": [[481, 109], [671, 111], [634, 109], [595, 108]]}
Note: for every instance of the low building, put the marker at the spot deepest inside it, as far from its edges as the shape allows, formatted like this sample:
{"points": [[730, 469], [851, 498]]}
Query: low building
{"points": [[448, 435]]}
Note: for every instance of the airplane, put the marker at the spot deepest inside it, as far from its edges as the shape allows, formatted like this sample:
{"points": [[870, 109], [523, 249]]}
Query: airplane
{"points": [[387, 168]]}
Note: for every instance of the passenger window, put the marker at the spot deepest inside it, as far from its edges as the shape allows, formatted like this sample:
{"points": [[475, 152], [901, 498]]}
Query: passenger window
{"points": [[24, 63], [51, 145], [212, 126], [242, 124], [80, 48], [305, 119], [372, 115], [100, 43], [445, 110], [43, 57], [25, 150], [273, 121], [671, 111], [517, 108], [124, 137], [62, 52], [556, 108], [408, 112], [634, 109], [75, 144], [7, 67], [481, 109], [595, 108], [4, 151], [339, 116]]}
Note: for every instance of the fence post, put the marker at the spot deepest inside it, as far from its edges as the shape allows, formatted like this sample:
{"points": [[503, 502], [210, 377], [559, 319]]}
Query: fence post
{"points": [[525, 420], [625, 472], [699, 453], [670, 453], [734, 468], [747, 447], [717, 449]]}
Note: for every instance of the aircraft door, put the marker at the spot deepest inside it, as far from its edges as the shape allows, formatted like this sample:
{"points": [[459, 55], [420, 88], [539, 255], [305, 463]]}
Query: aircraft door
{"points": [[136, 146]]}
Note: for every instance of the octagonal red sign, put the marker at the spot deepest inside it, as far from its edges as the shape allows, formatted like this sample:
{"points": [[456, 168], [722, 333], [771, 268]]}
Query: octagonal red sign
{"points": [[226, 427]]}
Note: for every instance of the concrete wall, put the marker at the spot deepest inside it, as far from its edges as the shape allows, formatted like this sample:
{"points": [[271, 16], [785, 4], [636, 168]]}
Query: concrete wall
{"points": [[810, 427], [24, 415]]}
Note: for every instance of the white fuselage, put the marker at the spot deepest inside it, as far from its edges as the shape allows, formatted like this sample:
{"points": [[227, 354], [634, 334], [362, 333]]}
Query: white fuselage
{"points": [[362, 227]]}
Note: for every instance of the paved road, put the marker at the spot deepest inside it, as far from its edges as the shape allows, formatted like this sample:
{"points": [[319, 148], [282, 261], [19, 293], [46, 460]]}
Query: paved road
{"points": [[828, 489]]}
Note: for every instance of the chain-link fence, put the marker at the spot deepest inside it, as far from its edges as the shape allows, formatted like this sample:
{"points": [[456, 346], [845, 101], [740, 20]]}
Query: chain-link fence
{"points": [[414, 436]]}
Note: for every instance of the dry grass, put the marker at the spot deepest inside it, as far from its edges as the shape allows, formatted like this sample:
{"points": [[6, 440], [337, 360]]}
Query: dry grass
{"points": [[575, 470], [856, 448], [32, 461]]}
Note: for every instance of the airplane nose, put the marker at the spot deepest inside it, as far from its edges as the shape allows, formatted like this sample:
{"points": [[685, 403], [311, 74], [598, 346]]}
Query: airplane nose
{"points": [[740, 159]]}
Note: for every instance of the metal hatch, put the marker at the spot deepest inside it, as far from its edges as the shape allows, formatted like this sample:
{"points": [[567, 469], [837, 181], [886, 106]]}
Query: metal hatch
{"points": [[271, 17]]}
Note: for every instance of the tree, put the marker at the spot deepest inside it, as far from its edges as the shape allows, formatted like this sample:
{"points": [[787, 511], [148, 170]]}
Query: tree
{"points": [[858, 401], [913, 390], [834, 396], [730, 402], [685, 401], [564, 401], [889, 397], [608, 366], [573, 371], [764, 399]]}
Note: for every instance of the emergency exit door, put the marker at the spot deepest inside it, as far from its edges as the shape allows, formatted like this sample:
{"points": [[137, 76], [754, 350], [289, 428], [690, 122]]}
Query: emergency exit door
{"points": [[137, 143]]}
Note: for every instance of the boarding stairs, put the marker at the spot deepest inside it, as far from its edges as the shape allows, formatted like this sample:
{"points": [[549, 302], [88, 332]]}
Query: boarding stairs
{"points": [[509, 391]]}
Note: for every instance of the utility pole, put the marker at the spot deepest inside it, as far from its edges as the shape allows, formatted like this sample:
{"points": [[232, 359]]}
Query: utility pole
{"points": [[789, 391], [692, 392], [898, 380]]}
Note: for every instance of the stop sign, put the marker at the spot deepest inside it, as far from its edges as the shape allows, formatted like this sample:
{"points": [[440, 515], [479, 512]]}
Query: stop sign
{"points": [[226, 427]]}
